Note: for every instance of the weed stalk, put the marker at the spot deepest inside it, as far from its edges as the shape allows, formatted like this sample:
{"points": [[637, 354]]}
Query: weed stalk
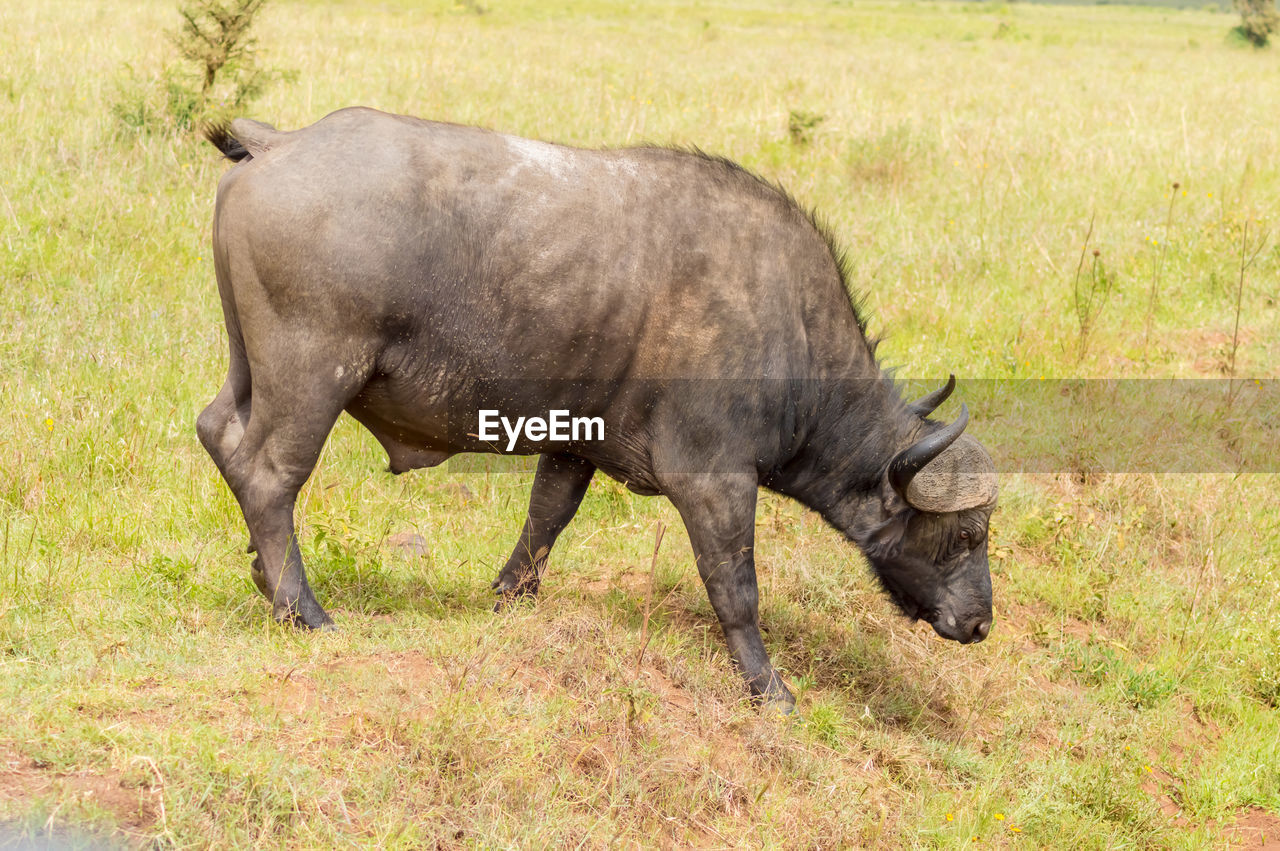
{"points": [[1246, 260], [648, 595], [1153, 297], [1089, 299]]}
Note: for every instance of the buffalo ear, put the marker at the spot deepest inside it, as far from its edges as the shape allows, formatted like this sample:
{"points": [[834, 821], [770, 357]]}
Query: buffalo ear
{"points": [[961, 477]]}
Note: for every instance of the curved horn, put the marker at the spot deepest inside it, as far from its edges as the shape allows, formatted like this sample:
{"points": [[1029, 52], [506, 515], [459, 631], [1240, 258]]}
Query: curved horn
{"points": [[908, 462], [925, 405]]}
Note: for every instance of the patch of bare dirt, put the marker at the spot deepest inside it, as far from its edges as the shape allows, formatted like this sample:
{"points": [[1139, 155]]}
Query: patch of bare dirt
{"points": [[410, 544], [1197, 736], [293, 692], [1166, 790], [345, 688], [674, 699], [1256, 830], [135, 806], [406, 668], [1211, 348], [1036, 622], [331, 689], [631, 580]]}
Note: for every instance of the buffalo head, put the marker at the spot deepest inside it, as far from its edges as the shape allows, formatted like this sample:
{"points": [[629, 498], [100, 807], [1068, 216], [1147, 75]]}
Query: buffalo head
{"points": [[929, 548]]}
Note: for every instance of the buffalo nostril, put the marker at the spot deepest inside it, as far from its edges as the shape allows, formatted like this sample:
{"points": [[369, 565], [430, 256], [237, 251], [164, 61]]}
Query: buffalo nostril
{"points": [[981, 629]]}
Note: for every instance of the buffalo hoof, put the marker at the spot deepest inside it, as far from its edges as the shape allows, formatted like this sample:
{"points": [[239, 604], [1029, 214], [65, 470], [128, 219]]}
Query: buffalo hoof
{"points": [[302, 612], [316, 619], [508, 600], [781, 704], [512, 590]]}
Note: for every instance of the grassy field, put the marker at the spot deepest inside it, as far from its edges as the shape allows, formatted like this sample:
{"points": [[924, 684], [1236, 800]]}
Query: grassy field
{"points": [[962, 153]]}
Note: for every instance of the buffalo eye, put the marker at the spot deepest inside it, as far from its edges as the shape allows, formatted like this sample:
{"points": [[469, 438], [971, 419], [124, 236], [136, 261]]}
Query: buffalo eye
{"points": [[964, 534]]}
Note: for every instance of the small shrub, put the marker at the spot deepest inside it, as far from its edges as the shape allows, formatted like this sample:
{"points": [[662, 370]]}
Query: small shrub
{"points": [[215, 38], [1258, 21], [218, 72], [1090, 297], [1006, 31], [135, 104], [1093, 664], [826, 724], [1144, 689], [801, 124]]}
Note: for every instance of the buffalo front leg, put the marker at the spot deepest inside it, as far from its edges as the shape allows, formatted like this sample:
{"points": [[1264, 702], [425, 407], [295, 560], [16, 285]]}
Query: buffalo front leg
{"points": [[558, 488], [719, 514]]}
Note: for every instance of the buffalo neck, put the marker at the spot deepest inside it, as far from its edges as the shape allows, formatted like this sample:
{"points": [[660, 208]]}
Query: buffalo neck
{"points": [[859, 422]]}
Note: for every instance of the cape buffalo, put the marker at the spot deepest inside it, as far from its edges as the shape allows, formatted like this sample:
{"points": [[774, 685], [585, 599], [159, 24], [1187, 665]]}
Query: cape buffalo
{"points": [[414, 273]]}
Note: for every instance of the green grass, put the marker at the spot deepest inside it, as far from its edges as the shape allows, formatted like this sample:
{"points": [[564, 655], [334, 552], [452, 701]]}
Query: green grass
{"points": [[1127, 696]]}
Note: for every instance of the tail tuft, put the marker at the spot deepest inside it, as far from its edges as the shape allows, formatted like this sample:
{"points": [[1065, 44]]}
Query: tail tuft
{"points": [[219, 134]]}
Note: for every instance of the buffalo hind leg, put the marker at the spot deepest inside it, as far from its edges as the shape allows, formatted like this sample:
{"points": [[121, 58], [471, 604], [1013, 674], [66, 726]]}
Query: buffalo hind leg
{"points": [[220, 426], [558, 488], [280, 445], [719, 515]]}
